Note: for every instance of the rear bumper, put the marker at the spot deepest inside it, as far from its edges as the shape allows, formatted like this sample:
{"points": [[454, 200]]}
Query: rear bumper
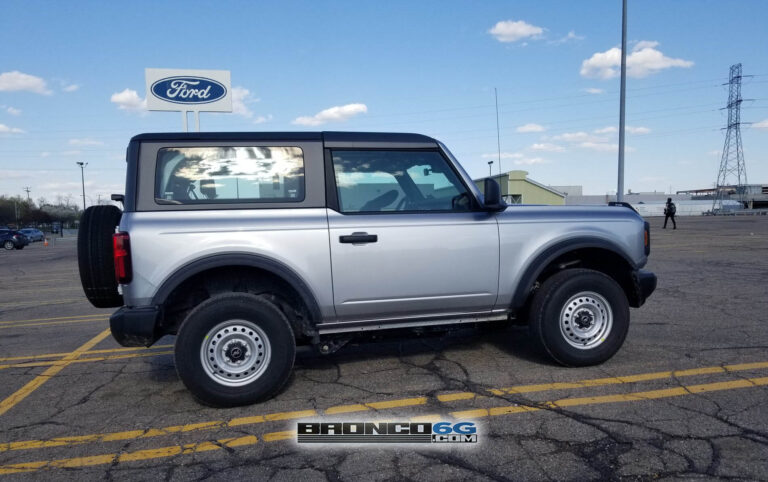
{"points": [[644, 283], [135, 326]]}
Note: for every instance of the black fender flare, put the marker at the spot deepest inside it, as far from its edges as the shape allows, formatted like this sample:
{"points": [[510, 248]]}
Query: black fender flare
{"points": [[239, 259], [543, 259]]}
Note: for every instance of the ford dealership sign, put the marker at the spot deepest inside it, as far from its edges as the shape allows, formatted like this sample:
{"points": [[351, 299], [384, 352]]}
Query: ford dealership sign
{"points": [[189, 90]]}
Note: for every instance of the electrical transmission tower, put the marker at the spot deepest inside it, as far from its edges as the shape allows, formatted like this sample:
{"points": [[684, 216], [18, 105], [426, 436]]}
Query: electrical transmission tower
{"points": [[732, 160]]}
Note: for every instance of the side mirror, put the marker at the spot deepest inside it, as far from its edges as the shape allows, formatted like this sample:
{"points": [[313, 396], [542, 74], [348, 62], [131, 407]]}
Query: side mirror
{"points": [[492, 196]]}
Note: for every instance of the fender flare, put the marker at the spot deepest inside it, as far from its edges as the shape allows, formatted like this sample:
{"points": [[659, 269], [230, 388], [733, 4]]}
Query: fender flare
{"points": [[543, 259], [239, 259]]}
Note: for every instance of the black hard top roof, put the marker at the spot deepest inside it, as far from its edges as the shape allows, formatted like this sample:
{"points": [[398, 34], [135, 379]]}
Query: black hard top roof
{"points": [[327, 136]]}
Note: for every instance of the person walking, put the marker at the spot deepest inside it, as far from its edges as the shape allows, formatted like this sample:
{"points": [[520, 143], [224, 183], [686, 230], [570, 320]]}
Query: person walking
{"points": [[669, 212]]}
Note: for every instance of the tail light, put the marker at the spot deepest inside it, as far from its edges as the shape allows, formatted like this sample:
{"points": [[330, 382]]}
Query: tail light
{"points": [[121, 251], [647, 238]]}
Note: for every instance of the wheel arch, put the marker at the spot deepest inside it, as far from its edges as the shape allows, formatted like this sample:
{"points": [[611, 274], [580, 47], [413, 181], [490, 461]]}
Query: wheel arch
{"points": [[587, 252], [240, 261]]}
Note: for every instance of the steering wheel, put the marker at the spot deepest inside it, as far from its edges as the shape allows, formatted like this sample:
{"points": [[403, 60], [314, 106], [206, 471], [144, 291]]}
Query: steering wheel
{"points": [[380, 202], [460, 201]]}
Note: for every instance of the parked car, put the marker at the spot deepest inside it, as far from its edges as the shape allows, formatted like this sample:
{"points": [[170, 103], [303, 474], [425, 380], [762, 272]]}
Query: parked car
{"points": [[11, 239], [247, 244], [33, 234]]}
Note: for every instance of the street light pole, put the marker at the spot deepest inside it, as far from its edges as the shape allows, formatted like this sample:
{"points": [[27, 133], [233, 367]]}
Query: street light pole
{"points": [[622, 100], [490, 173], [82, 177]]}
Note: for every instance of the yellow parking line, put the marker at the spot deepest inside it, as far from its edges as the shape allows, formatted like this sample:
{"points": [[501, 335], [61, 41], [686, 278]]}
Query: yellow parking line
{"points": [[90, 352], [622, 397], [147, 454], [103, 315], [86, 360], [16, 304], [30, 387], [340, 409], [173, 450], [48, 323]]}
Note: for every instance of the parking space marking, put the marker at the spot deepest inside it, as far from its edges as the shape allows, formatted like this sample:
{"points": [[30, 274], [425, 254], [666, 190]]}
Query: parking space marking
{"points": [[335, 410], [86, 359], [50, 372], [49, 323], [622, 397], [103, 315], [147, 454], [90, 352], [173, 450]]}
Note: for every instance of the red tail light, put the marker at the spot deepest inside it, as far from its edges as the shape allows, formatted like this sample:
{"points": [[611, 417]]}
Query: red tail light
{"points": [[121, 250]]}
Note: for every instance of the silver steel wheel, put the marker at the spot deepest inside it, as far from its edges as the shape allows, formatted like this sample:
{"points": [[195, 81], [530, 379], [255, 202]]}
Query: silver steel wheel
{"points": [[586, 320], [8, 245], [235, 353]]}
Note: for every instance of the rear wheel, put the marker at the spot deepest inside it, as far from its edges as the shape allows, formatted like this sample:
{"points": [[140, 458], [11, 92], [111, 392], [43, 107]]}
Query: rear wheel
{"points": [[94, 255], [579, 317], [8, 245], [235, 349]]}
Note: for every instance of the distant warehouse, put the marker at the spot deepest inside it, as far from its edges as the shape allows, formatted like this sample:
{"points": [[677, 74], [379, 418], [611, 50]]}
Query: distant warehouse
{"points": [[517, 188]]}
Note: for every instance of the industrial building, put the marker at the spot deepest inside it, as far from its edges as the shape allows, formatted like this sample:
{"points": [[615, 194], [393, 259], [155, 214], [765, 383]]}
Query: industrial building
{"points": [[517, 188]]}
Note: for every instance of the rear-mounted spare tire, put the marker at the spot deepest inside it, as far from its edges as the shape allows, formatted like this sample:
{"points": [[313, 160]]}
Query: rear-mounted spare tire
{"points": [[94, 256]]}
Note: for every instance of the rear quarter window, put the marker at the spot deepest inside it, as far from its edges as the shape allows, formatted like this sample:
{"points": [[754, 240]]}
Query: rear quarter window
{"points": [[232, 174]]}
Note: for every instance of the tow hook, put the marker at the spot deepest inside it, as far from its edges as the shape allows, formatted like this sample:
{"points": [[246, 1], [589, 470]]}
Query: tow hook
{"points": [[326, 347]]}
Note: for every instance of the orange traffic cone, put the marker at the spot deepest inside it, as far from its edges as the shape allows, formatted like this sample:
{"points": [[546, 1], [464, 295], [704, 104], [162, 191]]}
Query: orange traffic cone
{"points": [[45, 241]]}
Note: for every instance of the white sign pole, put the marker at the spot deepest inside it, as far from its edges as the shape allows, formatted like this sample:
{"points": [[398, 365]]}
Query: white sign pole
{"points": [[184, 121], [197, 121]]}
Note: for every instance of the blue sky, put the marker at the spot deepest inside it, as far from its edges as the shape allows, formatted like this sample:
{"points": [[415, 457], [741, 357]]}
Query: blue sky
{"points": [[72, 82]]}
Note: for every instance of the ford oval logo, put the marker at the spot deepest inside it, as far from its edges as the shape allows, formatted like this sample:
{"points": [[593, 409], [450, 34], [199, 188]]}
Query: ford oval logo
{"points": [[189, 90]]}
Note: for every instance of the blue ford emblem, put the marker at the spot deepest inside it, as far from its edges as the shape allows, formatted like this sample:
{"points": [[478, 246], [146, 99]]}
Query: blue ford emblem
{"points": [[188, 90]]}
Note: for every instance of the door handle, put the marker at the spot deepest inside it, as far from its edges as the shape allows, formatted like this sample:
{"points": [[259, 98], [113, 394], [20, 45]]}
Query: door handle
{"points": [[358, 238]]}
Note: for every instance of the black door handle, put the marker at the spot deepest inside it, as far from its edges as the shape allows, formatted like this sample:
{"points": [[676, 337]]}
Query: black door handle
{"points": [[358, 238]]}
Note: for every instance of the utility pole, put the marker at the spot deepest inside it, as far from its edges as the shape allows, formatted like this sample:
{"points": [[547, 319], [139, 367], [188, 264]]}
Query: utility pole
{"points": [[490, 163], [622, 100], [732, 160], [498, 135], [82, 177], [27, 189]]}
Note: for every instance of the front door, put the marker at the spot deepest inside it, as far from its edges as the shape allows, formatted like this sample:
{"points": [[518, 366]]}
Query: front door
{"points": [[406, 241]]}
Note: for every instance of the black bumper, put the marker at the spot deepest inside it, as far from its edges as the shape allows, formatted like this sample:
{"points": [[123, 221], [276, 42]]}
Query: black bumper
{"points": [[135, 326], [644, 283]]}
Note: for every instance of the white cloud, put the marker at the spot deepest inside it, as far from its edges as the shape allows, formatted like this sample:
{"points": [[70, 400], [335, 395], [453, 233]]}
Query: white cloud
{"points": [[531, 128], [512, 31], [606, 130], [13, 110], [529, 161], [262, 119], [599, 146], [637, 130], [19, 81], [593, 90], [504, 155], [333, 114], [129, 100], [573, 137], [567, 38], [547, 147], [763, 124], [241, 98], [45, 154], [12, 174], [642, 61], [4, 129], [85, 142], [70, 87]]}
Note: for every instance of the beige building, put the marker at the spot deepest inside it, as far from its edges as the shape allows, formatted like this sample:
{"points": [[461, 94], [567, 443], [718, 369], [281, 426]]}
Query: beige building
{"points": [[517, 188]]}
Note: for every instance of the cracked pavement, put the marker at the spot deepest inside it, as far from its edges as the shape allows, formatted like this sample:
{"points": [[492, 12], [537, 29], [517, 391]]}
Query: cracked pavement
{"points": [[677, 401]]}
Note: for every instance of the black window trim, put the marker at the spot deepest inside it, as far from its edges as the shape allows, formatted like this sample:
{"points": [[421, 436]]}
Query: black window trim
{"points": [[332, 195]]}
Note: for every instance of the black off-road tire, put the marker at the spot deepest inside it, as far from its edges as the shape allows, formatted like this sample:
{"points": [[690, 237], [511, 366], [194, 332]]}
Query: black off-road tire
{"points": [[550, 319], [198, 334], [8, 244], [94, 255]]}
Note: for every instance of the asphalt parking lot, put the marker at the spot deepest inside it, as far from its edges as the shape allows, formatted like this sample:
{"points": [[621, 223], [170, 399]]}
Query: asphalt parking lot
{"points": [[686, 396]]}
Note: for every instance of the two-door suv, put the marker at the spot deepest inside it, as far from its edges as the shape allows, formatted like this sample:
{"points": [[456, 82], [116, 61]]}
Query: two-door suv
{"points": [[247, 244]]}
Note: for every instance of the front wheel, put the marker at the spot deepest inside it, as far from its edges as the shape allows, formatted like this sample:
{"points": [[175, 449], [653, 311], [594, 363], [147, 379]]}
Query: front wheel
{"points": [[579, 317], [8, 245], [235, 349]]}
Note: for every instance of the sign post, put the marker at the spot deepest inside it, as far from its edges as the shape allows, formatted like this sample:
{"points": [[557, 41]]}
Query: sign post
{"points": [[189, 91]]}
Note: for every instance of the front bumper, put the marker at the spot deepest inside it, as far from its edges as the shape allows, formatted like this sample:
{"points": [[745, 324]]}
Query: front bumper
{"points": [[135, 326], [643, 284]]}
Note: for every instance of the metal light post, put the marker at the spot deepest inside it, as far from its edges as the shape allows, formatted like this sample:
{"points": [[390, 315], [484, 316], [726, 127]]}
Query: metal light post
{"points": [[490, 173], [622, 100], [82, 177]]}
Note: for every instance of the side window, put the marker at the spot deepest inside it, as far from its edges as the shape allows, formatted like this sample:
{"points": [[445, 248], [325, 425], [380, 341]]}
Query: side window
{"points": [[205, 175], [395, 181]]}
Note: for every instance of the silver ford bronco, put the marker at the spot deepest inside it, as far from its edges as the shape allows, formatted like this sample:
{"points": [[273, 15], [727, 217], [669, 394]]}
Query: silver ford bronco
{"points": [[247, 244]]}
